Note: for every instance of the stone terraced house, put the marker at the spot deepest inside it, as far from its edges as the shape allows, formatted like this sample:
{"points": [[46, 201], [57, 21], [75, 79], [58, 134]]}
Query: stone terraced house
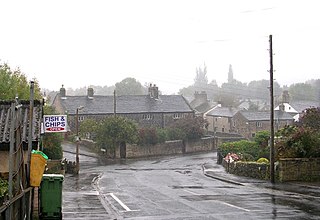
{"points": [[249, 123], [151, 110]]}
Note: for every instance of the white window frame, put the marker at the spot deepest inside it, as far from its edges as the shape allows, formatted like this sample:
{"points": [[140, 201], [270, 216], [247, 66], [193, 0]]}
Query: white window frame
{"points": [[177, 115], [259, 124], [147, 117], [81, 118]]}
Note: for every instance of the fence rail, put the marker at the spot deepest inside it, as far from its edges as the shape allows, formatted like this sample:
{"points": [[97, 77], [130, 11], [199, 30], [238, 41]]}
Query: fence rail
{"points": [[19, 207]]}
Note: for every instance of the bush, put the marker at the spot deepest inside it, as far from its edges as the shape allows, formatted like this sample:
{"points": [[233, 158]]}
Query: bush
{"points": [[262, 160], [176, 134], [3, 190], [242, 147], [162, 135], [246, 157], [147, 136], [301, 142], [190, 128], [52, 146]]}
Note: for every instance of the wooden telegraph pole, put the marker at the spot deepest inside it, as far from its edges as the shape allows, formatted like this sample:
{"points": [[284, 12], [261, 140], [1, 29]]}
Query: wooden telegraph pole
{"points": [[114, 104], [271, 115]]}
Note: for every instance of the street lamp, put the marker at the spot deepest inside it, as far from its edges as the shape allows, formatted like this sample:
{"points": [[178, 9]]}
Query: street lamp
{"points": [[77, 139]]}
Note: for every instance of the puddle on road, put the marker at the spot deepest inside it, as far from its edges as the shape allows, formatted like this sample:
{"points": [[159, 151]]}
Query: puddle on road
{"points": [[188, 187], [300, 204], [183, 171]]}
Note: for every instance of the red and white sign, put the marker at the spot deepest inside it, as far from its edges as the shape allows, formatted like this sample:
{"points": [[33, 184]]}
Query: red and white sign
{"points": [[55, 123]]}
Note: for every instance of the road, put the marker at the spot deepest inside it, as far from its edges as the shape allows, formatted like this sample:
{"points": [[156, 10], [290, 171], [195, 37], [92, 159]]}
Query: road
{"points": [[175, 187]]}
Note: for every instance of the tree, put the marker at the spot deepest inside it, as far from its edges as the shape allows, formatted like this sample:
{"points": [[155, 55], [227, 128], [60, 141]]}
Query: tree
{"points": [[201, 79], [115, 130], [52, 141], [193, 128], [311, 118], [260, 89], [13, 84], [129, 86], [200, 84], [88, 128], [187, 91], [302, 91], [298, 142]]}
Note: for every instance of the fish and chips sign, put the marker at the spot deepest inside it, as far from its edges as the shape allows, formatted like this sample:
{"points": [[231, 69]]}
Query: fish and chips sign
{"points": [[55, 123]]}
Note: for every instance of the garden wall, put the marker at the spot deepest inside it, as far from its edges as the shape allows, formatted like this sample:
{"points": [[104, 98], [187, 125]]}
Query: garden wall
{"points": [[299, 169], [202, 145], [248, 169], [170, 148], [167, 148]]}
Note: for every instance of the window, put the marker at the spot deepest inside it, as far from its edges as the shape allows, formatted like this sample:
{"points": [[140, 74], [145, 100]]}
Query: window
{"points": [[258, 124], [80, 118], [177, 115], [222, 129], [147, 117], [253, 135]]}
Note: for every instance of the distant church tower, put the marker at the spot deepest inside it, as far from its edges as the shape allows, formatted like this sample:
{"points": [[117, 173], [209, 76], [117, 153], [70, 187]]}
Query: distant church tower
{"points": [[230, 74]]}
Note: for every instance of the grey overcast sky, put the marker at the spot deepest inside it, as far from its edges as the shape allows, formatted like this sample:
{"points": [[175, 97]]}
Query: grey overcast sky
{"points": [[100, 42]]}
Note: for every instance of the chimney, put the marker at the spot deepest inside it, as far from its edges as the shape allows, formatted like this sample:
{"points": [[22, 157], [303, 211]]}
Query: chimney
{"points": [[285, 96], [281, 107], [201, 97], [63, 93], [90, 93], [153, 91]]}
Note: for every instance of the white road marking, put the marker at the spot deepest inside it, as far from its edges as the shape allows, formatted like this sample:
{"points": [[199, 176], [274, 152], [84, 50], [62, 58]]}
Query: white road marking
{"points": [[237, 207], [191, 192], [120, 203]]}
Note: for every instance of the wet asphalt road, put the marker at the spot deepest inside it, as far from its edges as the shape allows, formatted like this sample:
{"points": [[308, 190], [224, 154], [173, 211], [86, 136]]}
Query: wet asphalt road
{"points": [[81, 200], [175, 187]]}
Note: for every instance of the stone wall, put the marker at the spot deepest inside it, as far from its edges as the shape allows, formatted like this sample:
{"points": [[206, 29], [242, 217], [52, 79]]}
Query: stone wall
{"points": [[171, 148], [248, 169], [202, 145], [167, 148], [299, 169]]}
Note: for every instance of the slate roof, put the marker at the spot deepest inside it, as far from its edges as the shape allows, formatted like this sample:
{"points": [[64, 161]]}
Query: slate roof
{"points": [[5, 121], [300, 106], [265, 115], [127, 104], [203, 107], [223, 112]]}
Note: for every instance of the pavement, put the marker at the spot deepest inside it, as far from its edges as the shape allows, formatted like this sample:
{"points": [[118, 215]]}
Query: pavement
{"points": [[216, 171], [80, 196]]}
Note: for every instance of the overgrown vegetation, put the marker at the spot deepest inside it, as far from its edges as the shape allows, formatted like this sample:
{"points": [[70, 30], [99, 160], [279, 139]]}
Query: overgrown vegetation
{"points": [[52, 141], [183, 129], [13, 83], [3, 189], [301, 140], [114, 130], [248, 150]]}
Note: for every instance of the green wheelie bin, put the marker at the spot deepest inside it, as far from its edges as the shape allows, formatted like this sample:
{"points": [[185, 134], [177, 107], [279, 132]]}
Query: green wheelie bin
{"points": [[51, 196]]}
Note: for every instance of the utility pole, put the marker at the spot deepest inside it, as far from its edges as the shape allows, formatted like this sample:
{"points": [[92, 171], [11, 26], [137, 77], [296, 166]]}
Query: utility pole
{"points": [[271, 115], [30, 131], [114, 104], [77, 139]]}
